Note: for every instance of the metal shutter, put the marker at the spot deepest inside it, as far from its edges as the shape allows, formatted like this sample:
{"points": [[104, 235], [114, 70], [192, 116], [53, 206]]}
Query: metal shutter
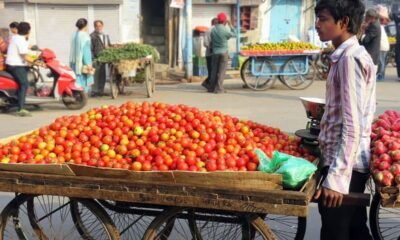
{"points": [[109, 14], [203, 14], [55, 26], [10, 13]]}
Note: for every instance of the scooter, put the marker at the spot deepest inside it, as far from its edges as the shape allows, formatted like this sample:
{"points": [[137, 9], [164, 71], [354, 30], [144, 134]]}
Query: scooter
{"points": [[64, 87]]}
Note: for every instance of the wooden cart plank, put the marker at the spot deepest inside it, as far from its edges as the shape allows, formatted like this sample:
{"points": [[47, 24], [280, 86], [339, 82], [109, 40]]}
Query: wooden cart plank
{"points": [[56, 169], [262, 193], [272, 201], [161, 199], [231, 180]]}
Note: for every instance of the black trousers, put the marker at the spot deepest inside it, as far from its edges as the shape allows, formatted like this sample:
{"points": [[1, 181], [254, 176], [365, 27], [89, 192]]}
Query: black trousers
{"points": [[20, 74], [397, 56], [219, 63], [346, 222], [209, 69], [99, 78]]}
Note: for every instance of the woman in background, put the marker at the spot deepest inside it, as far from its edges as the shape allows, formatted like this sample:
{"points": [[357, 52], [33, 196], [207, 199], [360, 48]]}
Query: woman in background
{"points": [[81, 56]]}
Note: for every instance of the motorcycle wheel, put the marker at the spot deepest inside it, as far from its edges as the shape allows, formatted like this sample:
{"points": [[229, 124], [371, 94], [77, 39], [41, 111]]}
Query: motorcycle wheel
{"points": [[80, 98]]}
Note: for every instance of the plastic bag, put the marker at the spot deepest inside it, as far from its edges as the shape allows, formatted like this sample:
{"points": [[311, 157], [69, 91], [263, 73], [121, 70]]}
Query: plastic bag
{"points": [[295, 171], [264, 162], [270, 166]]}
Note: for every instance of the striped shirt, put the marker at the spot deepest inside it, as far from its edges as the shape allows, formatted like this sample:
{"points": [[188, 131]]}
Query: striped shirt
{"points": [[349, 110]]}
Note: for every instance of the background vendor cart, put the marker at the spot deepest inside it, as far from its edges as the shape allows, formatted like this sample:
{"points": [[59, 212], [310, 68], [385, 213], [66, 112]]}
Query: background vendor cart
{"points": [[124, 70], [260, 70], [128, 63]]}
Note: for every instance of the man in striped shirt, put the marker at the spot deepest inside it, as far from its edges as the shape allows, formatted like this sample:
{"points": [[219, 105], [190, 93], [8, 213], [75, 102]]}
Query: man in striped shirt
{"points": [[346, 124]]}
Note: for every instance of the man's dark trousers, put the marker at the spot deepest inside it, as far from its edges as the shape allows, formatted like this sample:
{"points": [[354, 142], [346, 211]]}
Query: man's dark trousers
{"points": [[20, 74], [346, 222], [218, 69]]}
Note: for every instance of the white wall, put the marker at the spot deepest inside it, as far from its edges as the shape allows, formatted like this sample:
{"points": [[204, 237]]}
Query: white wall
{"points": [[130, 21]]}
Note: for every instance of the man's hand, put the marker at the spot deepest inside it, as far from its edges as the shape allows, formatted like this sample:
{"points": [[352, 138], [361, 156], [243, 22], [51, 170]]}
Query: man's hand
{"points": [[331, 198]]}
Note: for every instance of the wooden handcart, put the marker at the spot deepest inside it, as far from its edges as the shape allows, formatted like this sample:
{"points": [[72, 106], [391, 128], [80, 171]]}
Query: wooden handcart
{"points": [[260, 70], [151, 205], [68, 201], [122, 71], [384, 215]]}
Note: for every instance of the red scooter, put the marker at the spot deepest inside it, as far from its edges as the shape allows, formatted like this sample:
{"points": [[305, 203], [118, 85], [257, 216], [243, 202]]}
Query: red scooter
{"points": [[64, 88]]}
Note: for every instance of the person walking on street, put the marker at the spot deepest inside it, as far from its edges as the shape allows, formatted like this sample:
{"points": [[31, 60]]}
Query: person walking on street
{"points": [[385, 45], [372, 34], [350, 105], [207, 45], [17, 64], [396, 19], [81, 55], [100, 41], [220, 35]]}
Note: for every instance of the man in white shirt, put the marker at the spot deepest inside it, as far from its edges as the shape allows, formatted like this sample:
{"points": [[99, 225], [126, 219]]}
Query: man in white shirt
{"points": [[385, 45], [17, 62]]}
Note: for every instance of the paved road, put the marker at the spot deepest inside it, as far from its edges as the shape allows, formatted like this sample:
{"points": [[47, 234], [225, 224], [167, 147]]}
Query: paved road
{"points": [[278, 107]]}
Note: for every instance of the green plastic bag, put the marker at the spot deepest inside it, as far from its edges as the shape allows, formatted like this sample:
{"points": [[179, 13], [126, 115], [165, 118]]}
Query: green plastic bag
{"points": [[295, 171], [264, 162]]}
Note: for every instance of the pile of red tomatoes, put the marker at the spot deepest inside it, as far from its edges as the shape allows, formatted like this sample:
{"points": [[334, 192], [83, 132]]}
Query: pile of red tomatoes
{"points": [[385, 137], [151, 136]]}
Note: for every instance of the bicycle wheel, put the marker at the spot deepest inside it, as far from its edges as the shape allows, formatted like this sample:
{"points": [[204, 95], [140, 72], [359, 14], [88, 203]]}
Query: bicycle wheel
{"points": [[258, 83], [178, 223], [384, 222], [287, 227], [131, 220], [50, 217], [293, 74]]}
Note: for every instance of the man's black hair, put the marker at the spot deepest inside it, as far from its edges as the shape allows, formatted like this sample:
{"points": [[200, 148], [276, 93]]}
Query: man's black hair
{"points": [[23, 28], [339, 9], [13, 25], [98, 21]]}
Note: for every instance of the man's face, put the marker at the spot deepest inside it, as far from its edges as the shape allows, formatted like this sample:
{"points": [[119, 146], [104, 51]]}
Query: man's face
{"points": [[99, 27], [368, 20], [14, 30], [326, 27]]}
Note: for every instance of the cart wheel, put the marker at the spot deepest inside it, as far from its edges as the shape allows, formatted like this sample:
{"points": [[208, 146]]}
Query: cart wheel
{"points": [[130, 219], [297, 81], [149, 81], [114, 83], [312, 70], [258, 83], [178, 223], [50, 217], [287, 227], [384, 222]]}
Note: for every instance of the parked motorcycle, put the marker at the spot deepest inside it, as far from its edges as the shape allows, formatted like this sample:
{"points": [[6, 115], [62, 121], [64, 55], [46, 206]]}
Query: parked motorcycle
{"points": [[64, 88]]}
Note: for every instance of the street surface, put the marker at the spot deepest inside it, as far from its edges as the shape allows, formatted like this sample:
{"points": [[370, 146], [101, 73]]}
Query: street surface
{"points": [[277, 107]]}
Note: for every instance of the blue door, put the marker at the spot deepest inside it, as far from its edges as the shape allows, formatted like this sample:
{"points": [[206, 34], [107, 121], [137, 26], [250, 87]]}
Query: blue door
{"points": [[285, 19]]}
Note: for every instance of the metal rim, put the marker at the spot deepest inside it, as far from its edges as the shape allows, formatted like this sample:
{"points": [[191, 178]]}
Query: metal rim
{"points": [[258, 83], [179, 223], [298, 81], [384, 222]]}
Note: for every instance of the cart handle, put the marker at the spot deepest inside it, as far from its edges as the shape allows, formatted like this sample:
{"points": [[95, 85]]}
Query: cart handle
{"points": [[354, 199]]}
